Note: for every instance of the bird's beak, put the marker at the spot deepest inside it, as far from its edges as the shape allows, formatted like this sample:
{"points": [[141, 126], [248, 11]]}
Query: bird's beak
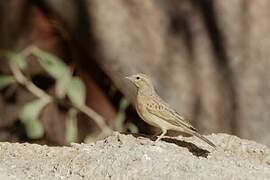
{"points": [[129, 78]]}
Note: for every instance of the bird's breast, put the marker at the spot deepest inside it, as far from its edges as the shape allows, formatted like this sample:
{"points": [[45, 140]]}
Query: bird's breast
{"points": [[144, 113]]}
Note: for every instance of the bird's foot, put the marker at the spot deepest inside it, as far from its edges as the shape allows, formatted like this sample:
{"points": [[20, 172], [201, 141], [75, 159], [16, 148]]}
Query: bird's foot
{"points": [[158, 138], [161, 136]]}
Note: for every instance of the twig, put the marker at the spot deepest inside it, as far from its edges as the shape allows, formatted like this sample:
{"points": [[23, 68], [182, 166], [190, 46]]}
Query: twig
{"points": [[27, 51], [21, 79], [96, 117]]}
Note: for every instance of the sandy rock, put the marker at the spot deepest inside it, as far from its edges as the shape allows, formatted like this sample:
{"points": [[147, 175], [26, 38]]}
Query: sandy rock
{"points": [[127, 157]]}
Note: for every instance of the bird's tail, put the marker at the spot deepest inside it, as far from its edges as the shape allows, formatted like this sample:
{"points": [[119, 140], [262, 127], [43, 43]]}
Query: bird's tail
{"points": [[202, 138]]}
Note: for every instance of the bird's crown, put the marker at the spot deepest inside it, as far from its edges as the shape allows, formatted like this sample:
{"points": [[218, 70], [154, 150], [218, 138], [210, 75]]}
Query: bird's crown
{"points": [[140, 80]]}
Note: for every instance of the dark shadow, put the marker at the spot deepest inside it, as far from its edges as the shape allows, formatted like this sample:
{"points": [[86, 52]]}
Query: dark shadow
{"points": [[209, 16], [181, 27], [13, 25], [86, 48], [82, 45], [195, 150]]}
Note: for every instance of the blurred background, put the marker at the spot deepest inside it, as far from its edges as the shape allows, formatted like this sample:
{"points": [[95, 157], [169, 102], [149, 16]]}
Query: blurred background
{"points": [[208, 59]]}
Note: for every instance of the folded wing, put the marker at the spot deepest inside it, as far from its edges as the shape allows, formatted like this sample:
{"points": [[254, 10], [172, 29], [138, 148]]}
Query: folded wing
{"points": [[160, 109]]}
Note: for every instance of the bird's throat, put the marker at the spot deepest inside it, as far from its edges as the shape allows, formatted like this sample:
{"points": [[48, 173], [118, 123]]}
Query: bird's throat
{"points": [[146, 91]]}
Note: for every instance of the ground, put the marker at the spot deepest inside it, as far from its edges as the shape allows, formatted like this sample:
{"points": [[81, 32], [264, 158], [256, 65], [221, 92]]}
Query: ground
{"points": [[127, 157]]}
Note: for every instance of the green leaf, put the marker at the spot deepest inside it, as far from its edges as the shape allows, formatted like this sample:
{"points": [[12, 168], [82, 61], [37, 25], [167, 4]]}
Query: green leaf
{"points": [[121, 116], [52, 64], [119, 122], [124, 103], [71, 126], [29, 116], [17, 59], [32, 109], [6, 80], [34, 129], [76, 91], [132, 127], [62, 83]]}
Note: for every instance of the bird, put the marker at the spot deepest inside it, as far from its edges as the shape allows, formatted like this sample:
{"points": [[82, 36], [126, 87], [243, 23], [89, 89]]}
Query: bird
{"points": [[156, 112]]}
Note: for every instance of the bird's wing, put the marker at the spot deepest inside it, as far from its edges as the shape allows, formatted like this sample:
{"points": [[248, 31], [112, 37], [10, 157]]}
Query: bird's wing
{"points": [[160, 109]]}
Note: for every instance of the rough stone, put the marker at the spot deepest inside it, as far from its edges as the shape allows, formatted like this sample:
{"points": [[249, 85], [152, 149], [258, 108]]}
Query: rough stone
{"points": [[128, 157]]}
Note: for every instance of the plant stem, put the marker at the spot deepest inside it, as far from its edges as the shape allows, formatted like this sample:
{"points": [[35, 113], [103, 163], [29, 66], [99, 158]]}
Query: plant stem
{"points": [[21, 79], [96, 117]]}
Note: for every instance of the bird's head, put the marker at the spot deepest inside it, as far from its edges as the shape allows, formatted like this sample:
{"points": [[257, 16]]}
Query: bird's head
{"points": [[140, 81]]}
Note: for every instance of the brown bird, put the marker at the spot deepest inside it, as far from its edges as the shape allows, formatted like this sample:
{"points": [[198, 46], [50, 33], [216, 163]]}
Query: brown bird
{"points": [[154, 111]]}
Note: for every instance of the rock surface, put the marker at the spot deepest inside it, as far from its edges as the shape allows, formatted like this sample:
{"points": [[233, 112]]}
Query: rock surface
{"points": [[127, 157]]}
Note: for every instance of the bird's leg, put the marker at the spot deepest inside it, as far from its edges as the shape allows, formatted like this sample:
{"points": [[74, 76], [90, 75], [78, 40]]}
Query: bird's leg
{"points": [[162, 134]]}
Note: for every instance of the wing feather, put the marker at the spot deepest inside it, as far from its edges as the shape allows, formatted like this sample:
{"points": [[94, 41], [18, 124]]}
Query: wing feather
{"points": [[160, 109]]}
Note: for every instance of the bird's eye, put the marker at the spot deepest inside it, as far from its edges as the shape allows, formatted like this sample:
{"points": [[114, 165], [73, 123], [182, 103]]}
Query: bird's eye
{"points": [[137, 77]]}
